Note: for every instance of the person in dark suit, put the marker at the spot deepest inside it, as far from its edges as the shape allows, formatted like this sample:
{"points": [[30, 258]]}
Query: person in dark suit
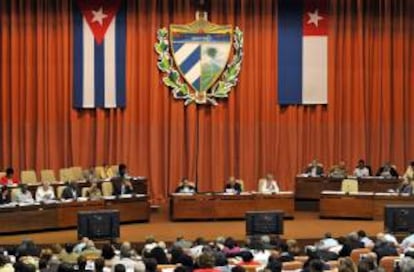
{"points": [[71, 191], [314, 169], [387, 171], [185, 187], [4, 195], [122, 186], [233, 186]]}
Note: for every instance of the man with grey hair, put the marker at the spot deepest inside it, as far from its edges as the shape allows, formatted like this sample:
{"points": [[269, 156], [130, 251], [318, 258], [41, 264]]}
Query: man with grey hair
{"points": [[128, 259], [406, 264]]}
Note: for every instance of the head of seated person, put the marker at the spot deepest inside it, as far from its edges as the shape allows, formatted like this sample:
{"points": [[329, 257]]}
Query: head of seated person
{"points": [[232, 186], [185, 186]]}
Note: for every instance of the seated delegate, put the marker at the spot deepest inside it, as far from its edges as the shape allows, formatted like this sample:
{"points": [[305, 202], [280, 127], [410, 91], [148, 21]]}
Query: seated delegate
{"points": [[387, 171], [232, 186], [9, 178], [362, 170], [338, 171], [314, 169], [268, 185], [185, 187], [45, 192], [71, 191]]}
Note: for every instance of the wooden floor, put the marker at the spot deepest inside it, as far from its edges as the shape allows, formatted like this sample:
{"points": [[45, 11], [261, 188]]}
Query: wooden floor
{"points": [[306, 225]]}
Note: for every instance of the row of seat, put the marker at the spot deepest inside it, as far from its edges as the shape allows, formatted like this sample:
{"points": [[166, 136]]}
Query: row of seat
{"points": [[65, 174]]}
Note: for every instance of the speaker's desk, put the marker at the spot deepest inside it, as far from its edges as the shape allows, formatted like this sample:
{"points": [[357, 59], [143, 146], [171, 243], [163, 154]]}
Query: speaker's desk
{"points": [[364, 205], [57, 215], [226, 206], [310, 188]]}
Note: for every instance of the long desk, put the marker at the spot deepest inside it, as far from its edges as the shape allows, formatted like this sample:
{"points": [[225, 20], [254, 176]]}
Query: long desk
{"points": [[64, 214], [363, 205], [308, 189], [221, 206]]}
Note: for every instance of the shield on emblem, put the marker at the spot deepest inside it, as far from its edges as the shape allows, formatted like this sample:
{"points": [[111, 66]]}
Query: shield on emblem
{"points": [[201, 51]]}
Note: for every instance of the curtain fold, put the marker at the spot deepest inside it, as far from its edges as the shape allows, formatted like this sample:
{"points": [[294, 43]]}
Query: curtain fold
{"points": [[368, 114]]}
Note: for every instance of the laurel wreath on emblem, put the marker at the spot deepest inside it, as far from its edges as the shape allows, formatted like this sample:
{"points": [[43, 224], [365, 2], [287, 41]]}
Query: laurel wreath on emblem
{"points": [[180, 89]]}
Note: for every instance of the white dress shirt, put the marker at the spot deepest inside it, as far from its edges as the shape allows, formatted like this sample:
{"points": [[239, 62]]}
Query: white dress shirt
{"points": [[269, 187], [361, 172], [44, 195]]}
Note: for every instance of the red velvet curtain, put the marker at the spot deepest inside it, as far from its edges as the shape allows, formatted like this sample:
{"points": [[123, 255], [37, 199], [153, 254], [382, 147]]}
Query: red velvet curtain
{"points": [[368, 114]]}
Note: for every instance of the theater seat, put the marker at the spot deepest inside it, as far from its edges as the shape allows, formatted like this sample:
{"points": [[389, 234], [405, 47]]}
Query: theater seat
{"points": [[84, 191], [293, 265], [165, 267], [107, 188], [65, 174], [260, 184], [77, 172], [251, 268], [47, 175], [114, 169], [349, 186], [356, 254], [28, 176], [59, 191]]}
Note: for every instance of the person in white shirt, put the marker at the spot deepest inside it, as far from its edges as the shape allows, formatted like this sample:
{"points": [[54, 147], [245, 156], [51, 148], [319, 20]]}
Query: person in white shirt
{"points": [[408, 243], [327, 242], [24, 195], [361, 170], [45, 192], [269, 185], [365, 239]]}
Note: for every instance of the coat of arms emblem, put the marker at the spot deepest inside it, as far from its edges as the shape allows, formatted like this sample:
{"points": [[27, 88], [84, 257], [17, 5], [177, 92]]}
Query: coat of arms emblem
{"points": [[195, 60]]}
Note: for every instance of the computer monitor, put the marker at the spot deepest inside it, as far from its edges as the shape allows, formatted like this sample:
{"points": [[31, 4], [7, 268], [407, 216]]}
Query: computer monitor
{"points": [[399, 218], [264, 222], [98, 224]]}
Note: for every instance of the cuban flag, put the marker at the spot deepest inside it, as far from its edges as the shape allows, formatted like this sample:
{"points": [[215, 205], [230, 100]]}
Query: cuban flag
{"points": [[303, 52], [99, 40]]}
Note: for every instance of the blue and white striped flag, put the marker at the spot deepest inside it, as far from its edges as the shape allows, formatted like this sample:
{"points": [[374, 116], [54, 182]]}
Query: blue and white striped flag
{"points": [[99, 53]]}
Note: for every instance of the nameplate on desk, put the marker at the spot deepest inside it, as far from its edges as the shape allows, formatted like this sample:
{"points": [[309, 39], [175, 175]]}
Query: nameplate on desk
{"points": [[361, 193], [386, 194], [140, 195], [125, 196], [109, 197], [285, 193], [332, 193], [182, 194]]}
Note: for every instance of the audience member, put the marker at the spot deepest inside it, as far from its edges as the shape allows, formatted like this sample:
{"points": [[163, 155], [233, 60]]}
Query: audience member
{"points": [[68, 256]]}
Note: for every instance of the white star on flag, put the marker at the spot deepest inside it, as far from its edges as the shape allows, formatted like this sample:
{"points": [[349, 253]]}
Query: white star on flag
{"points": [[98, 16], [314, 18]]}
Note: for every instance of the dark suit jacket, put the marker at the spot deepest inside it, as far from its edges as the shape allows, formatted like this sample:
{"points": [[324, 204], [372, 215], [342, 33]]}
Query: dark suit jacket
{"points": [[117, 184], [67, 193], [393, 172], [319, 170]]}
